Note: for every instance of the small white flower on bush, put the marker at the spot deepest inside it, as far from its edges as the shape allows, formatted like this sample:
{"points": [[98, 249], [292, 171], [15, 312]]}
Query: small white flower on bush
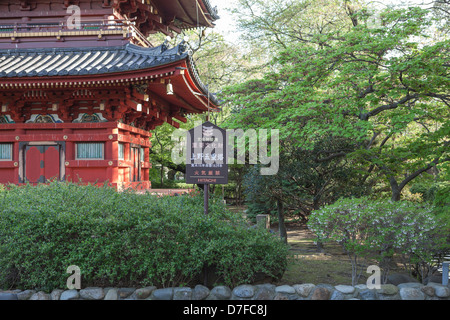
{"points": [[378, 229]]}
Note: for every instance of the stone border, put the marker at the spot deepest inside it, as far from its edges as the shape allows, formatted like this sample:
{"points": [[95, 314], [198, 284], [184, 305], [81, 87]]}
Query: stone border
{"points": [[405, 291]]}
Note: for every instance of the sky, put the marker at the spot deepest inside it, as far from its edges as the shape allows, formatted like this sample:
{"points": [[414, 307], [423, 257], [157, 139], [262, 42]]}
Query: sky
{"points": [[226, 25]]}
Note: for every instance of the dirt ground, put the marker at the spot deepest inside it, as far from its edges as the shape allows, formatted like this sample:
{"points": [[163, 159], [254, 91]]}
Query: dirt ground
{"points": [[331, 265], [309, 265]]}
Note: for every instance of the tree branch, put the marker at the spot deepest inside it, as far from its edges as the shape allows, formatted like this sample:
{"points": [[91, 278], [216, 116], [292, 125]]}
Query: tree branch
{"points": [[167, 163], [422, 170], [390, 106], [333, 156], [375, 135]]}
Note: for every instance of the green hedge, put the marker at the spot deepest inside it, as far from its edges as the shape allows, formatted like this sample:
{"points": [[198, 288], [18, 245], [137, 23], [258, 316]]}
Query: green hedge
{"points": [[125, 239]]}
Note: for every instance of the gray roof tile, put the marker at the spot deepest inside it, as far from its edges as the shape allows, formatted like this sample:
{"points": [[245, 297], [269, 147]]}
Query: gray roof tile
{"points": [[55, 62], [84, 61]]}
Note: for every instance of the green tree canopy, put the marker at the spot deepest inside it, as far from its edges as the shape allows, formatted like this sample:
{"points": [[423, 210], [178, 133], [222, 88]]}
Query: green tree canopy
{"points": [[377, 84]]}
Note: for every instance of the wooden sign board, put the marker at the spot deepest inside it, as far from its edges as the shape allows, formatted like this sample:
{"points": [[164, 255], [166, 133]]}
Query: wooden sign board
{"points": [[206, 154]]}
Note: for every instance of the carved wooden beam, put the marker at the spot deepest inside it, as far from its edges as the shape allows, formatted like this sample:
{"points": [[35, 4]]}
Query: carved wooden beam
{"points": [[24, 5], [179, 118]]}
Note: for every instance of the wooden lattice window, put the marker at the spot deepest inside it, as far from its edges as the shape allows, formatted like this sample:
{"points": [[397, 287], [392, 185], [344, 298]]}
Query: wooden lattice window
{"points": [[5, 151], [90, 151], [121, 151]]}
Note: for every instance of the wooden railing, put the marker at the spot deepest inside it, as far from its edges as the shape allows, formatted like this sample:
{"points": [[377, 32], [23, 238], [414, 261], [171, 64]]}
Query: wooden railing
{"points": [[94, 27]]}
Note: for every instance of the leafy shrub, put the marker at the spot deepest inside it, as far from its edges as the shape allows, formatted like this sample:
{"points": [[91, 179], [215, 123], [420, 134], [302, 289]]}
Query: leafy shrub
{"points": [[256, 208], [427, 191], [125, 239], [438, 194], [442, 199], [379, 229], [172, 184], [227, 191]]}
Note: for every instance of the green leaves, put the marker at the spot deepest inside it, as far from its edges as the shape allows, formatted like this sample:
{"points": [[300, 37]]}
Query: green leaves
{"points": [[382, 84], [378, 229], [124, 239]]}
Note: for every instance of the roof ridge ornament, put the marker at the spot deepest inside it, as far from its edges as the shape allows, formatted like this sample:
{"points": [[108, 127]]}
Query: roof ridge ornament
{"points": [[183, 47], [165, 45]]}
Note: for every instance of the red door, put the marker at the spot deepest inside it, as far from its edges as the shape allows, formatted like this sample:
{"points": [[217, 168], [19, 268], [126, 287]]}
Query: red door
{"points": [[136, 169], [42, 163]]}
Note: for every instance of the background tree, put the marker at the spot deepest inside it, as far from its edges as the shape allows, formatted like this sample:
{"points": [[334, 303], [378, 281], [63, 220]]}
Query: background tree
{"points": [[375, 84], [219, 63], [304, 183], [279, 24]]}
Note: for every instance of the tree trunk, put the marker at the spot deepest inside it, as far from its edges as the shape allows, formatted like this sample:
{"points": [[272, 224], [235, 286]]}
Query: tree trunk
{"points": [[281, 225], [396, 195], [396, 191], [397, 188], [316, 203], [316, 206]]}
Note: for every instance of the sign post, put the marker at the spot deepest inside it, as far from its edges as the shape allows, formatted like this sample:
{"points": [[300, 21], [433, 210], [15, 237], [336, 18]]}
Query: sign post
{"points": [[206, 201], [206, 161]]}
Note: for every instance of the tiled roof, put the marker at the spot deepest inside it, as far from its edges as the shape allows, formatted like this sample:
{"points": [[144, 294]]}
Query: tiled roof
{"points": [[85, 61], [212, 11], [56, 62]]}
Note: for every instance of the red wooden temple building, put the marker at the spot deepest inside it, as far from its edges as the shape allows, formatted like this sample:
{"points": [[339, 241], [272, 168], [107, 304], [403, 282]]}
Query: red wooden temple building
{"points": [[79, 97]]}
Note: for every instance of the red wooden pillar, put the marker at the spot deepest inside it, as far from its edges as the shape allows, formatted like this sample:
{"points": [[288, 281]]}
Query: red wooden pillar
{"points": [[114, 174], [15, 158], [146, 170], [127, 159], [69, 154]]}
